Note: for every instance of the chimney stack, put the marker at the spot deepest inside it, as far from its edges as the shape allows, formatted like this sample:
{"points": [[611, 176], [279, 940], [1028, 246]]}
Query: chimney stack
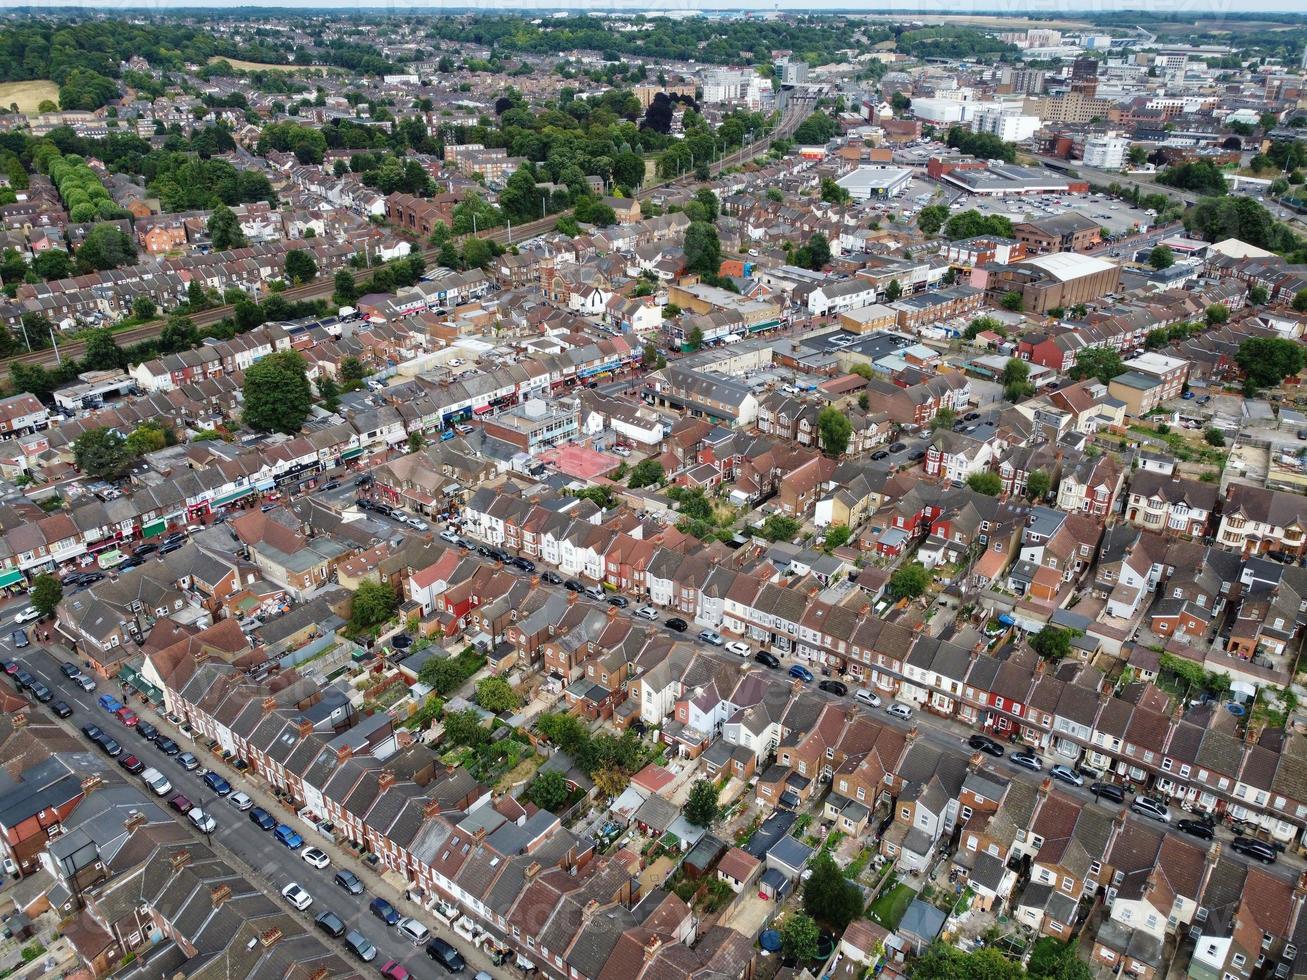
{"points": [[532, 870], [90, 784], [181, 859], [270, 937], [343, 752], [220, 895], [269, 705], [385, 781], [572, 597], [19, 720], [134, 819], [305, 728], [535, 581], [431, 808]]}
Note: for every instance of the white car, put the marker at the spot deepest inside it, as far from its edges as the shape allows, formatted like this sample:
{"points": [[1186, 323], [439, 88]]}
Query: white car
{"points": [[647, 612], [297, 896], [450, 536], [867, 697], [417, 523], [240, 801], [899, 710], [203, 822], [27, 615], [315, 857], [621, 451], [739, 648]]}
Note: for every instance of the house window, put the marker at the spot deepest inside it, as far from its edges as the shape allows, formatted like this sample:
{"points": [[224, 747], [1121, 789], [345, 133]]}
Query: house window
{"points": [[906, 813], [1239, 959]]}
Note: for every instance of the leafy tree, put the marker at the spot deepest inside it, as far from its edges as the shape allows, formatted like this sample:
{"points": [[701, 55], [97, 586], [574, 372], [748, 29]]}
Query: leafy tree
{"points": [[102, 453], [835, 429], [837, 536], [54, 264], [779, 527], [548, 791], [178, 334], [105, 247], [908, 581], [1258, 295], [344, 292], [148, 437], [373, 604], [102, 353], [46, 593], [971, 223], [1200, 176], [300, 266], [1299, 303], [329, 392], [986, 482], [694, 338], [1038, 485], [646, 473], [1097, 362], [1161, 257], [816, 254], [833, 193], [496, 695], [1267, 361], [1012, 300], [224, 230], [1052, 959], [1052, 642], [1217, 314], [276, 393], [465, 728], [701, 805], [1214, 437], [931, 218], [943, 419], [703, 250], [943, 961], [828, 896], [893, 291], [563, 730], [799, 937]]}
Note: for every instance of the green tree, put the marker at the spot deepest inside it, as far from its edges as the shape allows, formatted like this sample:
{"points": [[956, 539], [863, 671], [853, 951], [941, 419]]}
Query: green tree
{"points": [[1267, 361], [496, 695], [1217, 314], [352, 371], [178, 334], [1161, 257], [102, 453], [987, 482], [1258, 295], [943, 961], [1038, 485], [799, 937], [105, 247], [102, 353], [893, 291], [779, 527], [1052, 959], [646, 473], [300, 266], [828, 896], [143, 308], [46, 593], [1097, 362], [835, 429], [703, 250], [1214, 437], [1011, 300], [837, 536], [1299, 303], [329, 392], [344, 292], [943, 419], [373, 604], [931, 218], [548, 791], [415, 442], [816, 252], [908, 581], [1052, 643], [694, 338], [148, 437], [224, 230], [701, 804], [465, 728], [276, 393]]}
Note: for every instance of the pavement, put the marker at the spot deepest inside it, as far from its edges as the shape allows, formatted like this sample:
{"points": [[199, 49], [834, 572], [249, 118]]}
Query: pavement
{"points": [[268, 861]]}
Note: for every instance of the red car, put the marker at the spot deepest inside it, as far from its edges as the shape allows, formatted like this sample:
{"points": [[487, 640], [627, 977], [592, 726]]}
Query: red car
{"points": [[181, 804], [132, 764], [127, 716], [394, 970]]}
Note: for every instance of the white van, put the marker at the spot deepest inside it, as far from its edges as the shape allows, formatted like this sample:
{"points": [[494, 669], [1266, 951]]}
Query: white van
{"points": [[157, 781]]}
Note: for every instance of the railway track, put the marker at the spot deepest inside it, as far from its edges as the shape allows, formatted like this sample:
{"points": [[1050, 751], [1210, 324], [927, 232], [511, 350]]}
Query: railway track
{"points": [[324, 285]]}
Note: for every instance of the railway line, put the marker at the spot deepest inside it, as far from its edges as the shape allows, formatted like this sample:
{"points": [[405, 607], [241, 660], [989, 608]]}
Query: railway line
{"points": [[324, 285]]}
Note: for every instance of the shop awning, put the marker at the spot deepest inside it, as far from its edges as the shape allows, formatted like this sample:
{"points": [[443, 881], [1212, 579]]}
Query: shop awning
{"points": [[354, 453], [227, 498], [481, 409], [132, 678], [154, 528], [10, 576]]}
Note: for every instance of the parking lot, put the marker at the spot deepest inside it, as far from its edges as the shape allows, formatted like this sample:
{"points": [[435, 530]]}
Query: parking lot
{"points": [[1116, 216]]}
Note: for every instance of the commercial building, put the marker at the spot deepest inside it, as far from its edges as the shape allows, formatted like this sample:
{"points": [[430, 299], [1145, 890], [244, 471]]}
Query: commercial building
{"points": [[734, 86], [534, 425], [1008, 123], [1049, 282], [1074, 107], [1058, 233], [1106, 152], [865, 183], [986, 179]]}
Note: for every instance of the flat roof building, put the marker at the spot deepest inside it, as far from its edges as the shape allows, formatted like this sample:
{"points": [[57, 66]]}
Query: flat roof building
{"points": [[866, 183]]}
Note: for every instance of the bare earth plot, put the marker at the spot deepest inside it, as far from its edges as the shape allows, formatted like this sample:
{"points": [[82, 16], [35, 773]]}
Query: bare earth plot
{"points": [[28, 95]]}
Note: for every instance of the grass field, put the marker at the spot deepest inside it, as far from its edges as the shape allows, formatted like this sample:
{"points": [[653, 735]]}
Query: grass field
{"points": [[890, 906], [258, 66], [28, 95]]}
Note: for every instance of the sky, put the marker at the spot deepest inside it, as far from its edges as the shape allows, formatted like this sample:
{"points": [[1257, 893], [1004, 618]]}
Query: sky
{"points": [[1051, 8]]}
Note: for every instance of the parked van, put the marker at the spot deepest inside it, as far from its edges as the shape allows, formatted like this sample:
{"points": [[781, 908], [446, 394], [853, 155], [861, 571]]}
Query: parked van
{"points": [[157, 782]]}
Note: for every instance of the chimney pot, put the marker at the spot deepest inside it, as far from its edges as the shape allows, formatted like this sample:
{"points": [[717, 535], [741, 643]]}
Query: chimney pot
{"points": [[90, 784], [181, 859], [135, 819], [305, 728], [220, 895], [385, 781], [269, 704], [270, 937]]}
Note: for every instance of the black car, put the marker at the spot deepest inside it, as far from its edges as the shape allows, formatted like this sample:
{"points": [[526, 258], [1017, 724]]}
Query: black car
{"points": [[898, 447], [333, 485], [833, 687], [1196, 828], [553, 578], [499, 554], [879, 454], [572, 585], [90, 578], [971, 416], [677, 625], [93, 733], [109, 747], [167, 746], [61, 709], [484, 551], [984, 743], [145, 550], [1259, 850], [23, 679], [131, 563], [168, 549], [69, 669], [919, 454], [446, 955], [147, 731], [620, 601], [41, 692], [349, 881], [767, 659], [177, 537], [523, 564], [330, 923], [262, 819], [1108, 791]]}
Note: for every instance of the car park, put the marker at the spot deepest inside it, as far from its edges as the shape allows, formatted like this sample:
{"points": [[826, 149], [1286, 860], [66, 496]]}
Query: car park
{"points": [[297, 896], [240, 801], [315, 857], [899, 710], [1067, 775], [1146, 807], [984, 743], [1253, 848], [262, 819], [349, 881], [288, 836], [800, 672]]}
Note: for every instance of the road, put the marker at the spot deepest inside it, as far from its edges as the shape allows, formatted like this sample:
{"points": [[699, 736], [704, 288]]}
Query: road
{"points": [[325, 285], [1105, 177], [268, 861]]}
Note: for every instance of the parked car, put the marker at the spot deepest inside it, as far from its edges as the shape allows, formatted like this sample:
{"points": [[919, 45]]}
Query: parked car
{"points": [[414, 931], [70, 669], [867, 697], [647, 612], [127, 716], [61, 709], [1067, 775], [384, 911], [572, 585], [394, 970], [131, 764], [110, 747], [711, 637], [553, 578], [288, 836], [595, 593], [181, 803], [899, 710], [188, 762], [446, 955], [157, 782], [315, 857], [1196, 828], [448, 535], [86, 683], [216, 783], [349, 881], [330, 923], [41, 692], [1108, 791], [109, 703], [619, 601], [739, 648], [1150, 808], [19, 638], [27, 615], [240, 801], [359, 945], [297, 896], [147, 731], [262, 819], [677, 625], [767, 659], [984, 743], [167, 746], [834, 687], [801, 672], [1027, 760], [1250, 847]]}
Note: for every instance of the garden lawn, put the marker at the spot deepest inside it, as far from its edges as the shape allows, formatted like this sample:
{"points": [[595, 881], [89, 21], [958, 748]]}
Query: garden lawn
{"points": [[890, 907]]}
